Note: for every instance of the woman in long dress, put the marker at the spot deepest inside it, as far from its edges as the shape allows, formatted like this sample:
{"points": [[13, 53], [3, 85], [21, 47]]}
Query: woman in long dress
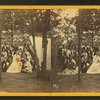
{"points": [[72, 68], [28, 67], [16, 64], [95, 67], [4, 59]]}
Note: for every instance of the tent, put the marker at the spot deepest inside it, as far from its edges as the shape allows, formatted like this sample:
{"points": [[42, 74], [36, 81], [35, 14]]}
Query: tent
{"points": [[38, 41]]}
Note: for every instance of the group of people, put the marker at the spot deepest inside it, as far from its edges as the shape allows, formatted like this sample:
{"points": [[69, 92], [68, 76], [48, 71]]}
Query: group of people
{"points": [[68, 59], [15, 59]]}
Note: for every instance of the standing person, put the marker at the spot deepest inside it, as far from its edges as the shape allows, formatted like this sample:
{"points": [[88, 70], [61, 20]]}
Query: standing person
{"points": [[75, 57], [23, 61], [9, 51], [27, 47], [15, 48], [60, 56], [63, 60], [84, 57], [28, 54], [9, 58], [3, 59], [89, 60]]}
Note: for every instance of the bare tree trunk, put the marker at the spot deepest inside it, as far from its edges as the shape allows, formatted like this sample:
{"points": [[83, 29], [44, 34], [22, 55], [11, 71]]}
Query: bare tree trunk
{"points": [[44, 46], [92, 39], [11, 39], [44, 43], [79, 47], [53, 58], [34, 47]]}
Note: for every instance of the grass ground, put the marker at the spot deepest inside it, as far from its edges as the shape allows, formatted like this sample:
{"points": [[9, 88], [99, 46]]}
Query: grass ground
{"points": [[24, 82], [69, 83]]}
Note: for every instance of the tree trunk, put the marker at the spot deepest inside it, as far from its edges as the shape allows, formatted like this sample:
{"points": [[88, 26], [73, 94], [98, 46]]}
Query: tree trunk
{"points": [[53, 57], [13, 32], [34, 47], [0, 39], [44, 47], [92, 39], [44, 42], [11, 39], [79, 47]]}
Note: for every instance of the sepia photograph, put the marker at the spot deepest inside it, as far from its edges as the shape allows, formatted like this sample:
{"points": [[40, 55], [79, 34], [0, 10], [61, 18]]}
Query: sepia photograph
{"points": [[50, 50]]}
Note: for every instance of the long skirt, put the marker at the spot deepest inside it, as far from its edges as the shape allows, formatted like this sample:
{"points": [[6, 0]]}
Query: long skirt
{"points": [[15, 67]]}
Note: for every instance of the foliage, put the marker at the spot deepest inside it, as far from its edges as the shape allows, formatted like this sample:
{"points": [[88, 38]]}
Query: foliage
{"points": [[90, 25]]}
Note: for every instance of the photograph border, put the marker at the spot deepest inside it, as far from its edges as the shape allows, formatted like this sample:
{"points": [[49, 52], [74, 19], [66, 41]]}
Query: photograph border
{"points": [[49, 7]]}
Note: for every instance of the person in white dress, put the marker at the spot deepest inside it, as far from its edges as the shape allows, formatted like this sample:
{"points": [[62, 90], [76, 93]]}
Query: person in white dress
{"points": [[95, 67], [16, 65]]}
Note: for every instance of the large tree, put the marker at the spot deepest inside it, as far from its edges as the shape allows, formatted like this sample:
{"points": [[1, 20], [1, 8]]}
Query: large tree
{"points": [[45, 41], [90, 25], [0, 39]]}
